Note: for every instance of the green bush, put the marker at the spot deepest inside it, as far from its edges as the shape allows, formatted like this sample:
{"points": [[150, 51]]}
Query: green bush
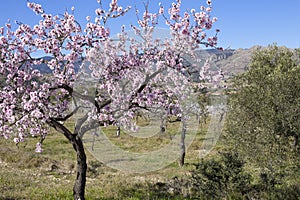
{"points": [[215, 178], [219, 178]]}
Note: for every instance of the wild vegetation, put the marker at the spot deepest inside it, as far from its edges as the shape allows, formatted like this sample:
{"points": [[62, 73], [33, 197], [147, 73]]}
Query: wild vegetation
{"points": [[257, 156]]}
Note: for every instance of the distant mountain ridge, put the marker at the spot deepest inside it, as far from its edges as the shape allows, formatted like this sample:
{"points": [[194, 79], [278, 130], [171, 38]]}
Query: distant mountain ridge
{"points": [[238, 62], [231, 61], [44, 69]]}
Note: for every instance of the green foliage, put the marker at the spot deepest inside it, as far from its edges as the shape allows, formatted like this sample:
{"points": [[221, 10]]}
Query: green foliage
{"points": [[226, 176], [264, 121], [219, 178]]}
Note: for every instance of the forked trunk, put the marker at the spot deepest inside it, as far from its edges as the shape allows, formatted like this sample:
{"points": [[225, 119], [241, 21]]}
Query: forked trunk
{"points": [[76, 141]]}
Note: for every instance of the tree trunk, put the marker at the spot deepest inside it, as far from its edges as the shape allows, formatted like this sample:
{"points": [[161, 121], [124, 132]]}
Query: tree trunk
{"points": [[182, 144], [76, 141], [163, 125], [296, 142], [79, 186], [118, 131]]}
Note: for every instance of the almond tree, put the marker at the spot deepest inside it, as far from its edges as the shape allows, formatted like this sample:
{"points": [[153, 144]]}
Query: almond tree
{"points": [[132, 74]]}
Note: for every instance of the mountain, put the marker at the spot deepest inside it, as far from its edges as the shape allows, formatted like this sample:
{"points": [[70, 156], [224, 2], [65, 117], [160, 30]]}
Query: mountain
{"points": [[238, 62], [231, 61], [44, 69]]}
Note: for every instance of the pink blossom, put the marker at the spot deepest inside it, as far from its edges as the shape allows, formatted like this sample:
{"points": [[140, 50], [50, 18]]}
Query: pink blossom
{"points": [[16, 140], [1, 30], [120, 9], [37, 8], [130, 74], [39, 148], [98, 11], [208, 9], [161, 10], [8, 25]]}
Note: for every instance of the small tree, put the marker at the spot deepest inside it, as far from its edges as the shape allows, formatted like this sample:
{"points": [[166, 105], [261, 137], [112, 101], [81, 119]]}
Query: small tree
{"points": [[131, 74], [264, 120]]}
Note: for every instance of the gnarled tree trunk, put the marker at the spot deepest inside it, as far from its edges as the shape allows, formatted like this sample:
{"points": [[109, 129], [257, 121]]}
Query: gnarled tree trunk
{"points": [[76, 141], [79, 186]]}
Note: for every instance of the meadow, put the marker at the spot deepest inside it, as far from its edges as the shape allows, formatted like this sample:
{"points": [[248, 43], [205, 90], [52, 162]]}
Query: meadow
{"points": [[26, 174]]}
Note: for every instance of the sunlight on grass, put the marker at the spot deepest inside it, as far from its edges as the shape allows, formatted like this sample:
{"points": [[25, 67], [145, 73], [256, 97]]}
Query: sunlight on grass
{"points": [[50, 175]]}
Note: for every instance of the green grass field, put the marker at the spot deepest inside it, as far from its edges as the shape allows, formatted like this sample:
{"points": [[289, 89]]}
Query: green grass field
{"points": [[25, 174]]}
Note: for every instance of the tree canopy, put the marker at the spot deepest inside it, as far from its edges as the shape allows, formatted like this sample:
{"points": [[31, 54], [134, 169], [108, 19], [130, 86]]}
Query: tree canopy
{"points": [[264, 120], [131, 74]]}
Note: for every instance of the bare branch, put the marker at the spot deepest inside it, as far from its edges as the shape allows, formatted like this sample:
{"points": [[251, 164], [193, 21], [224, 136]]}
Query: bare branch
{"points": [[69, 115]]}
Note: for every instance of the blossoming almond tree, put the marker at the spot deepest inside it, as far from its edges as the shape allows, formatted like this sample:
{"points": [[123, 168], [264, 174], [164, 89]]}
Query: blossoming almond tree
{"points": [[131, 74]]}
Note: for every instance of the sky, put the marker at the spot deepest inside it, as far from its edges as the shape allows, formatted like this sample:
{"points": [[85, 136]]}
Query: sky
{"points": [[243, 23]]}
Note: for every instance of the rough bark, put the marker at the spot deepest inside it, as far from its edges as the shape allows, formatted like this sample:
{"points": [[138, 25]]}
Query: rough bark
{"points": [[76, 141], [79, 186]]}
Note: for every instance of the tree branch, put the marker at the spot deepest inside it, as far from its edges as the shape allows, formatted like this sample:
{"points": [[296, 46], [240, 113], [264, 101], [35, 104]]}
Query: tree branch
{"points": [[88, 127], [67, 116], [91, 99], [61, 128], [146, 82]]}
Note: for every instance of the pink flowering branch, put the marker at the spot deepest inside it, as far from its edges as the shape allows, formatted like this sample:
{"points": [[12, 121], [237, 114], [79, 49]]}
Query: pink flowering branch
{"points": [[132, 75]]}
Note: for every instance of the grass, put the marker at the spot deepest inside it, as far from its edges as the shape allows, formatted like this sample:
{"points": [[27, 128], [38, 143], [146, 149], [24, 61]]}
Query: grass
{"points": [[25, 174]]}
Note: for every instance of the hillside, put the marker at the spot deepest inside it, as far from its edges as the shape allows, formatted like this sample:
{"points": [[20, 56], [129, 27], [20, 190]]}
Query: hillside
{"points": [[43, 68], [229, 60], [237, 62]]}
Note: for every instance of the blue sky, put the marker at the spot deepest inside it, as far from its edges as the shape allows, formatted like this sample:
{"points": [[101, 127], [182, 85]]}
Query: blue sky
{"points": [[242, 23]]}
